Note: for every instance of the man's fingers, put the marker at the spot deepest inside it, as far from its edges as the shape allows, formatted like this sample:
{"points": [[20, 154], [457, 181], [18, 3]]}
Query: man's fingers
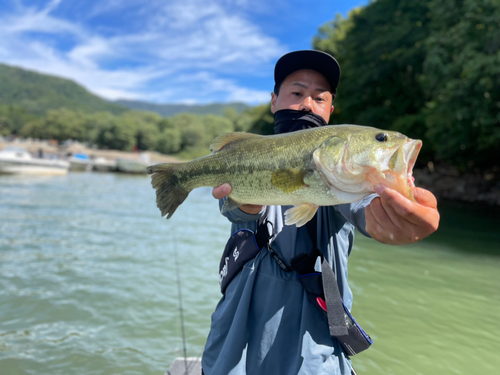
{"points": [[422, 216], [382, 223], [221, 191], [403, 207], [424, 197], [379, 213]]}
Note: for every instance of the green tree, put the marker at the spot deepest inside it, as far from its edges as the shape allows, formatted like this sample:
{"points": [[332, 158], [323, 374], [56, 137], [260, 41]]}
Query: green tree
{"points": [[145, 125], [462, 81], [5, 126], [241, 121], [262, 119], [60, 124], [428, 69], [118, 133], [380, 52], [192, 131], [13, 118], [215, 125], [94, 123], [332, 34], [169, 141]]}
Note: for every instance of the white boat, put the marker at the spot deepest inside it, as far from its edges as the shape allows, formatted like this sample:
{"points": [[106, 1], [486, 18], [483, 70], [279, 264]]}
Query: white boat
{"points": [[101, 164], [79, 163], [16, 160], [133, 165]]}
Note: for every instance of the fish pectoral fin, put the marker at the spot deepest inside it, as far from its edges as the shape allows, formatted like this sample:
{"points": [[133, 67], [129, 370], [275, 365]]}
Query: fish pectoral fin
{"points": [[301, 214], [227, 138], [288, 180], [229, 205]]}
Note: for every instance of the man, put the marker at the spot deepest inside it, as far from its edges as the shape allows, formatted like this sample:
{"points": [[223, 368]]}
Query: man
{"points": [[265, 324]]}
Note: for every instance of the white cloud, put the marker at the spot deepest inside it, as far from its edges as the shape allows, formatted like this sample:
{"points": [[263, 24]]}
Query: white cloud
{"points": [[31, 20], [172, 52]]}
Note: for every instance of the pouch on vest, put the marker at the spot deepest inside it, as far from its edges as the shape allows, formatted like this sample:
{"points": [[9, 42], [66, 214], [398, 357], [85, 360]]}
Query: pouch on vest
{"points": [[356, 339], [240, 248]]}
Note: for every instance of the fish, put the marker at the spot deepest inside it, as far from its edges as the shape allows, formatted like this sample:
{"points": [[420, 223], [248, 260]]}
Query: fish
{"points": [[322, 166]]}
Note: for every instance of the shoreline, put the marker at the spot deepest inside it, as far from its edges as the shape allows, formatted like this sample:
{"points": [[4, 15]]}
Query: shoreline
{"points": [[447, 183], [62, 151]]}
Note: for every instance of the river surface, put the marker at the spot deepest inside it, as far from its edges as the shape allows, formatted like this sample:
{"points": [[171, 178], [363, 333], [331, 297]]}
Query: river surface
{"points": [[88, 283]]}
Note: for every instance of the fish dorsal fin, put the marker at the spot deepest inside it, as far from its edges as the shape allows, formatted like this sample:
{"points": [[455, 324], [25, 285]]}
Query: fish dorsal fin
{"points": [[227, 138]]}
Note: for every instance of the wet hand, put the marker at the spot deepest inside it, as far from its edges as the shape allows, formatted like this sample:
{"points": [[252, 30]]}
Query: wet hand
{"points": [[396, 220], [225, 189]]}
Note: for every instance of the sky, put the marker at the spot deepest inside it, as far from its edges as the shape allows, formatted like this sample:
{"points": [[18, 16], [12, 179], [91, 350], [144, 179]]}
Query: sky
{"points": [[163, 51]]}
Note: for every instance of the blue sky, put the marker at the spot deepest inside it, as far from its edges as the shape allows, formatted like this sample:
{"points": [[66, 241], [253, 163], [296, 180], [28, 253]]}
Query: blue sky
{"points": [[162, 51]]}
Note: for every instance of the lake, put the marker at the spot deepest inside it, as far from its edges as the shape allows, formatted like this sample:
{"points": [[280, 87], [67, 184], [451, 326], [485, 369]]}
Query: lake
{"points": [[88, 282]]}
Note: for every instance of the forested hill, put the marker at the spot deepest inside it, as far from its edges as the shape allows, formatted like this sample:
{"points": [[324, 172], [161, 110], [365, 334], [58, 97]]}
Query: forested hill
{"points": [[168, 110], [39, 92]]}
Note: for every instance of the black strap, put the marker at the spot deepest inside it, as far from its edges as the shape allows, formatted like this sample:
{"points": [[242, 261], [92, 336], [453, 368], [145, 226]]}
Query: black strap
{"points": [[334, 306], [263, 238], [262, 235]]}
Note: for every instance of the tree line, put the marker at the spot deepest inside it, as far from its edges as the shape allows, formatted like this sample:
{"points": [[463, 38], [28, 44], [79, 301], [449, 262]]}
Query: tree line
{"points": [[185, 134]]}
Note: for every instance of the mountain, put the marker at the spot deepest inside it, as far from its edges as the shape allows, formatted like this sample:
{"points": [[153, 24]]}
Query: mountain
{"points": [[38, 92], [168, 110]]}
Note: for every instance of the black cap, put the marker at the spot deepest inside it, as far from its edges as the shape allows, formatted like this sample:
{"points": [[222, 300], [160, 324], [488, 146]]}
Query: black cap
{"points": [[319, 61]]}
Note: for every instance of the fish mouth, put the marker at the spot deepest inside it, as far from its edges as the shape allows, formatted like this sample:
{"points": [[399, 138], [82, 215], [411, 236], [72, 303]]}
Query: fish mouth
{"points": [[411, 150], [398, 174]]}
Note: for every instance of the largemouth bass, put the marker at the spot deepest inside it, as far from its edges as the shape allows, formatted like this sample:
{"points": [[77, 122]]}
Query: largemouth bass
{"points": [[309, 168]]}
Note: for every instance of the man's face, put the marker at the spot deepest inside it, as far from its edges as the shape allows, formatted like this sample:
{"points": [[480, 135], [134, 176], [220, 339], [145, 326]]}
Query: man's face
{"points": [[304, 90]]}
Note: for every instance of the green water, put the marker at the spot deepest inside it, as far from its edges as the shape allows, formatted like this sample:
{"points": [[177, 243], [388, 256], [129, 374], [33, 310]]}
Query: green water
{"points": [[87, 283]]}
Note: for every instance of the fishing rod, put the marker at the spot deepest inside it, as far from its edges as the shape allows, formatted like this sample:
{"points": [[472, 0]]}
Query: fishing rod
{"points": [[181, 310], [188, 364]]}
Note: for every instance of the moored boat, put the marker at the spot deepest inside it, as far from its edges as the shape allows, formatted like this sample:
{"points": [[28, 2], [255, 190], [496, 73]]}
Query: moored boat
{"points": [[101, 164], [16, 160], [79, 163], [137, 166]]}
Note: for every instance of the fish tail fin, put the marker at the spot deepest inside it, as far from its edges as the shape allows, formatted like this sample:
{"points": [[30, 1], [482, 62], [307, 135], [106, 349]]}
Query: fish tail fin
{"points": [[170, 192]]}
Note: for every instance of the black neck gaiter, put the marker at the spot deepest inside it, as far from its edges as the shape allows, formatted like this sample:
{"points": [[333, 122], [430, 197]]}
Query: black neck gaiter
{"points": [[290, 120]]}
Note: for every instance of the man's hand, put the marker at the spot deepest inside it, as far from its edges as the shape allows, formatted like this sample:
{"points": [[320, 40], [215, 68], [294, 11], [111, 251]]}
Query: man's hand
{"points": [[396, 220], [225, 189]]}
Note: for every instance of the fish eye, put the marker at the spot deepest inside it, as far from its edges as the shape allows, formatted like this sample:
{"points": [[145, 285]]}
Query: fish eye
{"points": [[381, 137]]}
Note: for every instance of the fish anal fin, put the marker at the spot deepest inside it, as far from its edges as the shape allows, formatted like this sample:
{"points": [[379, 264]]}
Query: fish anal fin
{"points": [[288, 180], [224, 139], [301, 214], [229, 205]]}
